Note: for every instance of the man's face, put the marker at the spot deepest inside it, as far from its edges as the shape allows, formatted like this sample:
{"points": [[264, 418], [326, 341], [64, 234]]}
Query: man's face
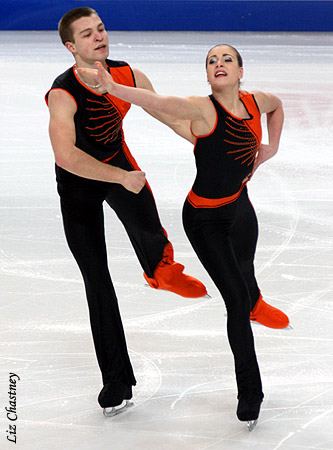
{"points": [[91, 41]]}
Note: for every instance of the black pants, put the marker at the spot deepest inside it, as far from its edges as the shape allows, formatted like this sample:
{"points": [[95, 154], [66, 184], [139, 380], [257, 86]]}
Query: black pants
{"points": [[225, 240], [82, 211]]}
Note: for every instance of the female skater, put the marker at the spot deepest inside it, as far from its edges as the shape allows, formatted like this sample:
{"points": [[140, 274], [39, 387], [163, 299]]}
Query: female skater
{"points": [[218, 217]]}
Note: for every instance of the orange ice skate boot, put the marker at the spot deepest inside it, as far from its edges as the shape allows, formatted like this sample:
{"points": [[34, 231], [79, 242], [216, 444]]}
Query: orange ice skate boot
{"points": [[168, 275], [268, 315]]}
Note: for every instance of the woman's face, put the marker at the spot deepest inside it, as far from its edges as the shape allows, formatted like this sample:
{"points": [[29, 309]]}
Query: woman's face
{"points": [[223, 69]]}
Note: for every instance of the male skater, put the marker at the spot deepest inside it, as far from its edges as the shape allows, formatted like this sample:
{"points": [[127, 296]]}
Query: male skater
{"points": [[93, 165]]}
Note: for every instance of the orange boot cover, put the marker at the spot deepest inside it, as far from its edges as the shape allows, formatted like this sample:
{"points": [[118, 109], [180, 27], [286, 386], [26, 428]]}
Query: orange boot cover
{"points": [[268, 315], [169, 276]]}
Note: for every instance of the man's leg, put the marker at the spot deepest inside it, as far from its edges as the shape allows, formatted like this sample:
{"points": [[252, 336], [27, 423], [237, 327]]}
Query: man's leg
{"points": [[140, 218], [84, 228]]}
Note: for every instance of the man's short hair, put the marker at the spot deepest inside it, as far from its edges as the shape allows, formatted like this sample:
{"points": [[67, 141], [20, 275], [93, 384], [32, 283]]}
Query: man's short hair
{"points": [[64, 26]]}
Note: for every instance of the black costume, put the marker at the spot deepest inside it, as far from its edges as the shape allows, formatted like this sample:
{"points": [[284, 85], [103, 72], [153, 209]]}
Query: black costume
{"points": [[98, 124], [221, 225]]}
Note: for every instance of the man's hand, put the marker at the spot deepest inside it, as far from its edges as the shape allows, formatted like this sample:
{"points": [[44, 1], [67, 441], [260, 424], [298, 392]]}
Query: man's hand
{"points": [[134, 181]]}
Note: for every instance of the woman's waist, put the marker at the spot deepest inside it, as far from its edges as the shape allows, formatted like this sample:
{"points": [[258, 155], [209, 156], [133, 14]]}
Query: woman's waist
{"points": [[200, 201]]}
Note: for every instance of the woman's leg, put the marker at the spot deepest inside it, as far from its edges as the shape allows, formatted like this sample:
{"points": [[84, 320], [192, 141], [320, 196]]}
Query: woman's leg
{"points": [[208, 232], [244, 236]]}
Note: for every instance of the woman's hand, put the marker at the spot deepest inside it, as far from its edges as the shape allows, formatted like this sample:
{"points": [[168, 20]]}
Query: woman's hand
{"points": [[265, 152], [98, 76]]}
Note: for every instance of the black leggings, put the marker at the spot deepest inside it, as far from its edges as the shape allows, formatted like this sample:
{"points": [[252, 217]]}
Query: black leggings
{"points": [[225, 240], [82, 211]]}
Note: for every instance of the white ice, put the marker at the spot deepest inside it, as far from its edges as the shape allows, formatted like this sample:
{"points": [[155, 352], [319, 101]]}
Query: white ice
{"points": [[185, 396]]}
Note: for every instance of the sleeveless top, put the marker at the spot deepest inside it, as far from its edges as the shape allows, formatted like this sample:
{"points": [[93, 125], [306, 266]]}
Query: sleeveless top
{"points": [[98, 118], [225, 157]]}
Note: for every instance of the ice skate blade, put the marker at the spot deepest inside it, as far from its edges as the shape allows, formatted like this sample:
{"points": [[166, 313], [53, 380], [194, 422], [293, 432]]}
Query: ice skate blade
{"points": [[114, 410], [251, 424]]}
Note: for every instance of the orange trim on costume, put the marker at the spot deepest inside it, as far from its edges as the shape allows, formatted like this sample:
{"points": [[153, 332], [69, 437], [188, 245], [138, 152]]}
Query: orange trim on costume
{"points": [[202, 202], [134, 164], [130, 157], [108, 159], [252, 107], [121, 75], [211, 132]]}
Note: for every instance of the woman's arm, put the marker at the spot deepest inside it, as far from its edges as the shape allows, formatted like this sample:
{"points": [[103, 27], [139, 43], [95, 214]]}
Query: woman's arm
{"points": [[270, 105], [183, 108], [181, 127]]}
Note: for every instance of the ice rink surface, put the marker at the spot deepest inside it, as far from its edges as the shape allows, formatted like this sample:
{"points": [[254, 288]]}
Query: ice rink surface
{"points": [[185, 398]]}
